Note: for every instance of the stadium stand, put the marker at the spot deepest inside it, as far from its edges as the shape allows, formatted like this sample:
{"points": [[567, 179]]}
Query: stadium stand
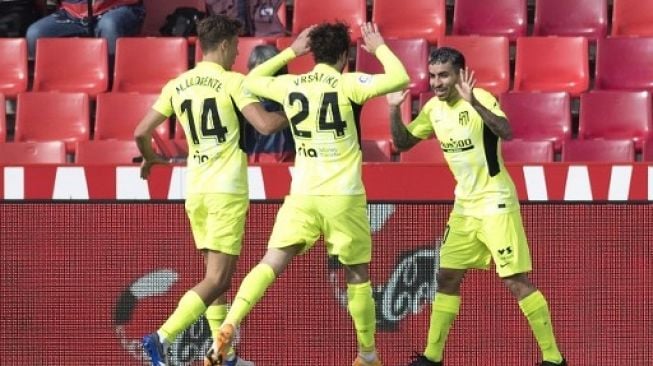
{"points": [[156, 12], [245, 47], [632, 18], [488, 56], [648, 151], [624, 63], [412, 53], [611, 114], [584, 18], [52, 116], [376, 150], [117, 114], [309, 12], [71, 65], [375, 121], [13, 66], [567, 68], [539, 116], [41, 152], [490, 18], [427, 151], [413, 19], [299, 65], [598, 150], [145, 64], [106, 152], [3, 119], [527, 151]]}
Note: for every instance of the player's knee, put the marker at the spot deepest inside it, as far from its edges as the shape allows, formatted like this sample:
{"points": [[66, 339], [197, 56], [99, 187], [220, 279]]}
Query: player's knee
{"points": [[448, 282], [219, 284], [519, 285]]}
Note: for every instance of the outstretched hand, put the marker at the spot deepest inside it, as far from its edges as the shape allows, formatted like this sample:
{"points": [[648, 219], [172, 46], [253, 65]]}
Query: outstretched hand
{"points": [[396, 98], [465, 84], [372, 38], [300, 44]]}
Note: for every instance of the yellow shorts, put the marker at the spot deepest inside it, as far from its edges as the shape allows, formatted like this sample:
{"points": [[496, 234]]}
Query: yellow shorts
{"points": [[342, 219], [470, 242], [218, 221]]}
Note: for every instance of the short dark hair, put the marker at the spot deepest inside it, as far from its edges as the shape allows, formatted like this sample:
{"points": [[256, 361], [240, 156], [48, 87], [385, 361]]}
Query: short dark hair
{"points": [[442, 55], [216, 28], [328, 41], [262, 53]]}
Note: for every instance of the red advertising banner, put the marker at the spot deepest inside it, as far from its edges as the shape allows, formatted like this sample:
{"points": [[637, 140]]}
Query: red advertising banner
{"points": [[81, 283]]}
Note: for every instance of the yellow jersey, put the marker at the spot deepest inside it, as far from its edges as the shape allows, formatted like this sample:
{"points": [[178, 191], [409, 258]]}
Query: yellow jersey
{"points": [[323, 107], [472, 151], [207, 101]]}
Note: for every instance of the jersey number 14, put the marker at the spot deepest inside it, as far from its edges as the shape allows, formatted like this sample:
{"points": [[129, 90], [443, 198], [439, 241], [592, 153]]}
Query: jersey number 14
{"points": [[209, 113]]}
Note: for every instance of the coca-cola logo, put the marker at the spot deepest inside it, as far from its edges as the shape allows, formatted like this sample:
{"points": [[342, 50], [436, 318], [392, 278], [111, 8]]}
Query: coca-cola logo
{"points": [[191, 345], [410, 286]]}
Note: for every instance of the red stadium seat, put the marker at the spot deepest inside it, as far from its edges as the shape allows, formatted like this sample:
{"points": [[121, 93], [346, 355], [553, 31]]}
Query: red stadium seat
{"points": [[376, 150], [525, 151], [3, 119], [13, 66], [490, 18], [156, 12], [375, 119], [71, 65], [413, 53], [427, 151], [144, 65], [539, 116], [489, 57], [50, 116], [309, 12], [648, 151], [567, 71], [613, 114], [245, 47], [584, 18], [597, 150], [412, 19], [117, 114], [106, 152], [624, 63], [43, 152], [299, 65], [632, 18]]}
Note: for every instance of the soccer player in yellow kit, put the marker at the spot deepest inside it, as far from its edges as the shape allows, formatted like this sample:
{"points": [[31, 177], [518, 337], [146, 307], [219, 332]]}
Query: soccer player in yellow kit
{"points": [[207, 101], [327, 194], [485, 222]]}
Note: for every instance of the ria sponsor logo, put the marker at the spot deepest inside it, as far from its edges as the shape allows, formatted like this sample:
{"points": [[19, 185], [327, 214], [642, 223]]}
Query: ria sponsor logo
{"points": [[452, 145]]}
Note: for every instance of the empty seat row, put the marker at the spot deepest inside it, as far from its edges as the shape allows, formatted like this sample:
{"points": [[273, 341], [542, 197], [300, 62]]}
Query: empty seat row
{"points": [[145, 64], [541, 151]]}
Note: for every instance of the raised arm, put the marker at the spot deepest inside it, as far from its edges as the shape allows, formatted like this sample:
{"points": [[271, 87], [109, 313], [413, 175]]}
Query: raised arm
{"points": [[497, 124], [401, 137], [394, 75]]}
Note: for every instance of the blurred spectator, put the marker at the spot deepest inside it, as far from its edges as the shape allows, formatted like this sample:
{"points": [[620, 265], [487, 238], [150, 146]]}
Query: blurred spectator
{"points": [[16, 16], [110, 19], [260, 17], [278, 146]]}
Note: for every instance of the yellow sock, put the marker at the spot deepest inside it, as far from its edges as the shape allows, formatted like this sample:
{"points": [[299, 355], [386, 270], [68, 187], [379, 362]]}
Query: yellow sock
{"points": [[361, 308], [536, 310], [190, 308], [443, 312], [250, 292], [215, 315]]}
